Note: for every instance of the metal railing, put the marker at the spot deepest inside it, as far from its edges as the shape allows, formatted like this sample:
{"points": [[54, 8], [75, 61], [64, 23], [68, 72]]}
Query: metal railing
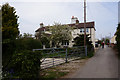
{"points": [[56, 56]]}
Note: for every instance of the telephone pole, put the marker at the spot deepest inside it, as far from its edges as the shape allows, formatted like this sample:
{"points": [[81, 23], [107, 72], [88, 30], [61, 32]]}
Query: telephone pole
{"points": [[84, 22]]}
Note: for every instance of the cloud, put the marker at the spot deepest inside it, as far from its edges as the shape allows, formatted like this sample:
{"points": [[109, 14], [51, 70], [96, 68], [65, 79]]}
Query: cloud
{"points": [[59, 0], [105, 16], [33, 13]]}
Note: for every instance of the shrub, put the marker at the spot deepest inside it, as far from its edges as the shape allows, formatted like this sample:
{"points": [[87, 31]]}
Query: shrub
{"points": [[118, 38], [27, 44], [79, 41], [23, 65]]}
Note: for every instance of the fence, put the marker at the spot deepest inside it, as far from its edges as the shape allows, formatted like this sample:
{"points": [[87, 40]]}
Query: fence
{"points": [[56, 56]]}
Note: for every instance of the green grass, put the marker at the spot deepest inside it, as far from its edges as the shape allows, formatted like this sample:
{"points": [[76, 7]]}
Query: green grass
{"points": [[55, 72], [52, 74]]}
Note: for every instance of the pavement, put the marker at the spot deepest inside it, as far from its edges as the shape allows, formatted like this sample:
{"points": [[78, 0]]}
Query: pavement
{"points": [[103, 65]]}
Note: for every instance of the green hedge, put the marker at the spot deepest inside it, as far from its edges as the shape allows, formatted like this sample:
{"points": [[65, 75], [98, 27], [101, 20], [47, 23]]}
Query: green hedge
{"points": [[23, 65], [27, 44], [118, 38]]}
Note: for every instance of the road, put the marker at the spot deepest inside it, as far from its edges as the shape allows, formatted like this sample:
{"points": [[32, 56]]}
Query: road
{"points": [[103, 65]]}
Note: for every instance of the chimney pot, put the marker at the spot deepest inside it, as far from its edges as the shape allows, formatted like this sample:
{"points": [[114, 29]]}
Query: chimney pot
{"points": [[41, 25], [77, 21], [72, 17]]}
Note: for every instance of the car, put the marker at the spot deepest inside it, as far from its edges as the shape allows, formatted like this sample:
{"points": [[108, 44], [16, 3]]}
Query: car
{"points": [[96, 44]]}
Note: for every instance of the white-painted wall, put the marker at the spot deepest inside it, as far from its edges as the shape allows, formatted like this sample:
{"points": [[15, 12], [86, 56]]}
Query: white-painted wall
{"points": [[113, 40], [75, 33], [93, 36]]}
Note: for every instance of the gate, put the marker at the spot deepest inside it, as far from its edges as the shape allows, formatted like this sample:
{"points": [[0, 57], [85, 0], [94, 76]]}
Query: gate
{"points": [[56, 56]]}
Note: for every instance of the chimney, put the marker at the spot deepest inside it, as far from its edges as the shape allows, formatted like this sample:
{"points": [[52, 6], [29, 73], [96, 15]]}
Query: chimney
{"points": [[41, 25], [72, 17], [73, 20], [77, 21]]}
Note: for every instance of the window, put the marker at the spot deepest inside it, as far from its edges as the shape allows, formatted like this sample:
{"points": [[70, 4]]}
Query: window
{"points": [[80, 30], [87, 30]]}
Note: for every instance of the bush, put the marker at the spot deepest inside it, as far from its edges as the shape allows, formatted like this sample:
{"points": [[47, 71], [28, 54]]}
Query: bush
{"points": [[90, 54], [79, 41], [23, 65], [118, 38], [27, 44]]}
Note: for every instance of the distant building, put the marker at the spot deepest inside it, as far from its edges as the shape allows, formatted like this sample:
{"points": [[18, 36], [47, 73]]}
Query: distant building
{"points": [[78, 29], [113, 40]]}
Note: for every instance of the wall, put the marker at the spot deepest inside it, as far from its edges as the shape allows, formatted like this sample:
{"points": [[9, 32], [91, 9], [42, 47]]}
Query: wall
{"points": [[75, 33]]}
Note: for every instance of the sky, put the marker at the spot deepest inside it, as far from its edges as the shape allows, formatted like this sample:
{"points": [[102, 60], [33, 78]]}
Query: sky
{"points": [[33, 12]]}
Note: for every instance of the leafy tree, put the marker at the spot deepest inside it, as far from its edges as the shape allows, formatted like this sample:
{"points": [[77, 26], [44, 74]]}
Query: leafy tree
{"points": [[9, 23], [60, 33], [27, 35], [118, 37], [9, 31], [44, 39], [26, 42], [107, 41], [79, 41], [17, 61]]}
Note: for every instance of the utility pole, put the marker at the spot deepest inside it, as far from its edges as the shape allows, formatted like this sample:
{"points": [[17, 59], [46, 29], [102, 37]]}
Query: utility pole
{"points": [[84, 22]]}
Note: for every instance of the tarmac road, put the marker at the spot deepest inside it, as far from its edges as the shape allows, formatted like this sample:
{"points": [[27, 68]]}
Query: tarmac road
{"points": [[103, 65]]}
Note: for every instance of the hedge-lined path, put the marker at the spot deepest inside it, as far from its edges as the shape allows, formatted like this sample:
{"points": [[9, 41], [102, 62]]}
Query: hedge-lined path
{"points": [[103, 65]]}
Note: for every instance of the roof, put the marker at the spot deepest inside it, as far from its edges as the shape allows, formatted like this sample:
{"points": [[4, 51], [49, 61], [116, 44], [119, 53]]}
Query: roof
{"points": [[40, 29], [80, 25]]}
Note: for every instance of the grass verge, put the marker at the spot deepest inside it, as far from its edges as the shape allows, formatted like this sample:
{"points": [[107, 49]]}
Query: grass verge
{"points": [[52, 73]]}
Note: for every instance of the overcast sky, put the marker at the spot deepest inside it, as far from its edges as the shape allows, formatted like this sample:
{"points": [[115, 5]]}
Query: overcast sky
{"points": [[31, 13]]}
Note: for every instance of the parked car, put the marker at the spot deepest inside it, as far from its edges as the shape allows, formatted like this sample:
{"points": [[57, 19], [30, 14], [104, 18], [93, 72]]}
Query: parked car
{"points": [[96, 44]]}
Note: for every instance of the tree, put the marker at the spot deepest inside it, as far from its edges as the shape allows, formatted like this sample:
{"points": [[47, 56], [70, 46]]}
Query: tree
{"points": [[27, 42], [9, 31], [9, 23], [27, 35], [79, 41], [60, 33], [118, 37], [44, 39], [107, 41]]}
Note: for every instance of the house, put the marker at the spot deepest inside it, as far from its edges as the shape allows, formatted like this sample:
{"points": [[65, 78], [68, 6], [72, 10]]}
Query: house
{"points": [[78, 29], [113, 40]]}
